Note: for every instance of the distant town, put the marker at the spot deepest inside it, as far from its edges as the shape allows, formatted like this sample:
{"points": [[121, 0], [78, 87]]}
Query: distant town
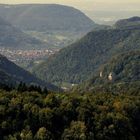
{"points": [[18, 55]]}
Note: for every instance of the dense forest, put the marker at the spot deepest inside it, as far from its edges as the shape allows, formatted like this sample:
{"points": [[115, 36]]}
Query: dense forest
{"points": [[82, 59], [33, 114], [118, 75]]}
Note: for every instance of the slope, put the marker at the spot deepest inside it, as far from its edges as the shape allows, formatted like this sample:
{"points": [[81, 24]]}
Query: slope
{"points": [[131, 22], [12, 37], [42, 17], [13, 74], [120, 74], [79, 61]]}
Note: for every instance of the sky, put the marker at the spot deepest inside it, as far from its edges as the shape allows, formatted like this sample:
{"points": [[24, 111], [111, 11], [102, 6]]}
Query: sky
{"points": [[98, 10], [86, 4]]}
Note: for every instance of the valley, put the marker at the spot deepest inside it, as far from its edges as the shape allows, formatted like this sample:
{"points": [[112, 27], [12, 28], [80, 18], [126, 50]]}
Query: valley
{"points": [[83, 58], [25, 58], [28, 43], [65, 77], [57, 39]]}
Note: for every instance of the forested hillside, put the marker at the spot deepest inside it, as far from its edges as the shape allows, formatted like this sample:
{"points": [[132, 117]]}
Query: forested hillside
{"points": [[11, 74], [80, 61], [120, 74], [123, 67], [134, 21]]}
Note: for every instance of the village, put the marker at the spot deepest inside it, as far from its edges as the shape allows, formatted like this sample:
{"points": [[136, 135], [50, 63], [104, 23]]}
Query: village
{"points": [[16, 55]]}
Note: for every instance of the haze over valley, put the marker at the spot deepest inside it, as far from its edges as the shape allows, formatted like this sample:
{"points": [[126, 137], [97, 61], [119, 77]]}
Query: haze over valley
{"points": [[57, 26], [51, 28], [69, 70]]}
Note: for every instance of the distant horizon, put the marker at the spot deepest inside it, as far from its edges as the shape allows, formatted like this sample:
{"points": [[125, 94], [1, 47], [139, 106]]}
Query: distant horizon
{"points": [[85, 4], [100, 11]]}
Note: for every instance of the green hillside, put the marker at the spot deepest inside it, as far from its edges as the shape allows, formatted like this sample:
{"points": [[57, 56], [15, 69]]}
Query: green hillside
{"points": [[81, 60], [11, 74], [120, 74], [124, 67]]}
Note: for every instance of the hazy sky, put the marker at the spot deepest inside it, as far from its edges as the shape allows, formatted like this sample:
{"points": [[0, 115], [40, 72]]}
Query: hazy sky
{"points": [[96, 9], [87, 4]]}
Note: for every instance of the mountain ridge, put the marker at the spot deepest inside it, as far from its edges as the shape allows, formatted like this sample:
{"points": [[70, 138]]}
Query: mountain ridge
{"points": [[46, 17], [130, 22], [81, 59]]}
